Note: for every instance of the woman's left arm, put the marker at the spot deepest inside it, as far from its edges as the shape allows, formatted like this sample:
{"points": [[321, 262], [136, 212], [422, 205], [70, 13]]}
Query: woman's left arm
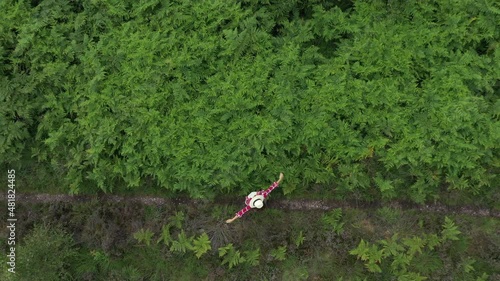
{"points": [[281, 178]]}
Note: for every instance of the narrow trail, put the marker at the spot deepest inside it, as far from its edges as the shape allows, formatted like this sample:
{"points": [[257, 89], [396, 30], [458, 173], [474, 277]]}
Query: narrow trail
{"points": [[286, 204]]}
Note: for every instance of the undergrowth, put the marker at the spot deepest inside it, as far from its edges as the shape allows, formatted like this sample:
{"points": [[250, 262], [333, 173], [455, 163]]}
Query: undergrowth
{"points": [[132, 242]]}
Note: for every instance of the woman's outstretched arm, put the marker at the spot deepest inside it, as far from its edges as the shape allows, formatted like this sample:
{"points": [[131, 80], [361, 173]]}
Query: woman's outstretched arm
{"points": [[273, 186], [231, 220], [239, 214]]}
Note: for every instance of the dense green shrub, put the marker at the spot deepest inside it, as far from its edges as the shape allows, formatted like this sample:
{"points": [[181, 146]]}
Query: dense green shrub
{"points": [[393, 98], [49, 248]]}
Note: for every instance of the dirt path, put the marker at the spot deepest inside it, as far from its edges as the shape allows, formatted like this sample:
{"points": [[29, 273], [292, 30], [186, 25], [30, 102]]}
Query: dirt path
{"points": [[275, 203]]}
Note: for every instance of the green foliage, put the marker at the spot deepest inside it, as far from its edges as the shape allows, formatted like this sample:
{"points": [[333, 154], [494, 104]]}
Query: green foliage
{"points": [[144, 236], [432, 241], [184, 243], [411, 276], [230, 256], [332, 220], [294, 271], [389, 215], [413, 254], [427, 263], [450, 230], [386, 187], [165, 235], [410, 258], [299, 239], [252, 257], [101, 259], [201, 245], [391, 246], [371, 254], [380, 98], [46, 245], [177, 219], [483, 277], [87, 262], [415, 244], [467, 265], [279, 253]]}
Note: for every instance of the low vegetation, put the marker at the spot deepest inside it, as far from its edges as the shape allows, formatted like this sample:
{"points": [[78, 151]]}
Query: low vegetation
{"points": [[110, 241]]}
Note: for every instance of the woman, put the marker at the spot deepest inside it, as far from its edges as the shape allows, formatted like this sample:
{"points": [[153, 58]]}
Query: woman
{"points": [[256, 199]]}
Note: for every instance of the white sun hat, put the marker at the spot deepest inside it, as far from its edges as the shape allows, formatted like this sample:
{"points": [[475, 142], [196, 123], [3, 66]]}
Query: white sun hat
{"points": [[257, 201]]}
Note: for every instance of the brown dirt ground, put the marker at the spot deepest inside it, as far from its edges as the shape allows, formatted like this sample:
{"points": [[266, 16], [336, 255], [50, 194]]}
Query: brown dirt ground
{"points": [[276, 203]]}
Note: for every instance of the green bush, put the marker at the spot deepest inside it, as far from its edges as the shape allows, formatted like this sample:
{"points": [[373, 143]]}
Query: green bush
{"points": [[46, 253], [416, 257], [384, 98], [332, 221]]}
